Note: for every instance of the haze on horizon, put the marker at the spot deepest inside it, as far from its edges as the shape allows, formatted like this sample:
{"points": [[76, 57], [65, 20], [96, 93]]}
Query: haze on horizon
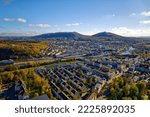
{"points": [[31, 17]]}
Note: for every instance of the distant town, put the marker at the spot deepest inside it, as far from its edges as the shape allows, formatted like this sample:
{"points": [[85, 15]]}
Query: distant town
{"points": [[72, 66]]}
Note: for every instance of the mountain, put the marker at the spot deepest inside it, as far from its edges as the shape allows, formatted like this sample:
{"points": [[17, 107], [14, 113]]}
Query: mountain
{"points": [[72, 35], [78, 36], [108, 35], [14, 37], [59, 35]]}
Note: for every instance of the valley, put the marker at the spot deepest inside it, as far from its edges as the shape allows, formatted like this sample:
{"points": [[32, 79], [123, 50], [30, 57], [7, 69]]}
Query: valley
{"points": [[70, 66]]}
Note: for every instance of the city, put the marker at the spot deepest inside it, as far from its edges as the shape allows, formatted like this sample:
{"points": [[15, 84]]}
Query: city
{"points": [[79, 67], [74, 50]]}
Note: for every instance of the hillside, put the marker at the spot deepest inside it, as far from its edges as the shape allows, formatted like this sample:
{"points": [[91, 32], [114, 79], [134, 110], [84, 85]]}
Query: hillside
{"points": [[21, 49], [64, 35], [75, 35], [107, 35], [72, 35]]}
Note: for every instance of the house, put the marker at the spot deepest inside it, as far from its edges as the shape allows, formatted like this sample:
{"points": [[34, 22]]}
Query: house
{"points": [[98, 86]]}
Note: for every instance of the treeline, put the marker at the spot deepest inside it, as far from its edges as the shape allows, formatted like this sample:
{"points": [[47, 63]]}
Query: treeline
{"points": [[35, 85], [125, 89], [33, 64], [21, 49]]}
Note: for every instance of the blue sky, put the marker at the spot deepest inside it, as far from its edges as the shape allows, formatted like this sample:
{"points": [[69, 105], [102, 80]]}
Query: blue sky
{"points": [[124, 17]]}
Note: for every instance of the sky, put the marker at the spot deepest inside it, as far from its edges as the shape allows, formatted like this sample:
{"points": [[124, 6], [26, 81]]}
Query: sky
{"points": [[31, 17]]}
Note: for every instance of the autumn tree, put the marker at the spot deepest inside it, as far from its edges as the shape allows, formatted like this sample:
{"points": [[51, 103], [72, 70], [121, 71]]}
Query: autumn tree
{"points": [[126, 90], [142, 87], [134, 91], [113, 94]]}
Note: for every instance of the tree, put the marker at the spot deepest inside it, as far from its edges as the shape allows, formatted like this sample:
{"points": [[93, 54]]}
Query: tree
{"points": [[134, 91], [116, 85], [121, 83], [90, 81], [49, 93], [148, 93], [24, 74], [2, 70], [36, 94], [113, 93], [37, 81], [126, 98], [126, 90], [81, 73], [0, 83], [10, 76], [144, 97], [142, 87]]}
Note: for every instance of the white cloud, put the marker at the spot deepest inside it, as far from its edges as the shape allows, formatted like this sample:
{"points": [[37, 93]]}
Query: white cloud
{"points": [[39, 25], [124, 31], [145, 22], [145, 13], [73, 24], [21, 20], [8, 19], [26, 33]]}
